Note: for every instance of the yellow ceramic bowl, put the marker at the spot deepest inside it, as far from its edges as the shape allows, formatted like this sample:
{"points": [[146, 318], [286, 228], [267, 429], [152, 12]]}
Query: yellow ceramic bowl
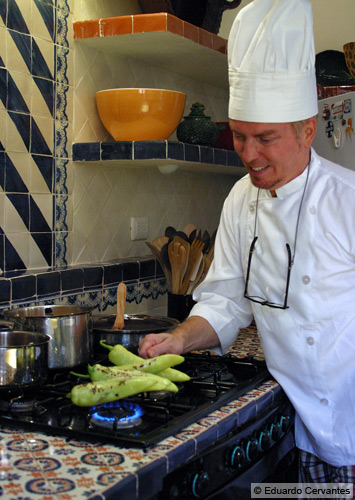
{"points": [[349, 51], [140, 114]]}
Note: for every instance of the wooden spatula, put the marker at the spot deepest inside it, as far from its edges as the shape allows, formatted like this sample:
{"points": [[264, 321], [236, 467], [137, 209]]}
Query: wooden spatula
{"points": [[121, 305]]}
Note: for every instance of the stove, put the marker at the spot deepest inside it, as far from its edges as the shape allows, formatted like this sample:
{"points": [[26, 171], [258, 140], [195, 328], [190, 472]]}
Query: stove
{"points": [[139, 421]]}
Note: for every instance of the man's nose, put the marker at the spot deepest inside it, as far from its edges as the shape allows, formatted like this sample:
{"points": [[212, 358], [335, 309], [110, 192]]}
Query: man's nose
{"points": [[249, 151]]}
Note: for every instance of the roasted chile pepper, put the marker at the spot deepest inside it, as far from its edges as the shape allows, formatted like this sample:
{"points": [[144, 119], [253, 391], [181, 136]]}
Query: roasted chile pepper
{"points": [[118, 387], [160, 365]]}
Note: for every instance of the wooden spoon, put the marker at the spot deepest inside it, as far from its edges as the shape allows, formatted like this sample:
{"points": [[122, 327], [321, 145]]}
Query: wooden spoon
{"points": [[177, 257], [120, 308], [158, 256], [195, 253], [186, 245], [159, 242]]}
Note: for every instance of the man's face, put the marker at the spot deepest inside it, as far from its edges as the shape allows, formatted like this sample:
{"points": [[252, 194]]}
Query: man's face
{"points": [[272, 153]]}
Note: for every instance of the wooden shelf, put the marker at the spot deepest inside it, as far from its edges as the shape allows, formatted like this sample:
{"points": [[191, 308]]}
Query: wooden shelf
{"points": [[162, 154], [160, 40]]}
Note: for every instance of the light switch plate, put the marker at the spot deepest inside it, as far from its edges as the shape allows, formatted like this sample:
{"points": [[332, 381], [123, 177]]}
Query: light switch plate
{"points": [[139, 228]]}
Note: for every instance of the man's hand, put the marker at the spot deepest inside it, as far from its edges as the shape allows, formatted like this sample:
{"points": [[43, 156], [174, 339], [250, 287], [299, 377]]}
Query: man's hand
{"points": [[155, 344], [194, 333]]}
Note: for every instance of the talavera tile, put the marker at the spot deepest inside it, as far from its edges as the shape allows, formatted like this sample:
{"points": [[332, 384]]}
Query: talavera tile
{"points": [[19, 92], [18, 51], [18, 16], [32, 57], [23, 287], [43, 20]]}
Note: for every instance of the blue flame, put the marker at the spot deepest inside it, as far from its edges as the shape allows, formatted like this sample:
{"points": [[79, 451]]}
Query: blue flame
{"points": [[136, 411]]}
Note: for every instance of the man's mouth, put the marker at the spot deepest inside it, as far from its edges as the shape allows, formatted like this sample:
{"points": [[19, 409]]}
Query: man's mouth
{"points": [[257, 169]]}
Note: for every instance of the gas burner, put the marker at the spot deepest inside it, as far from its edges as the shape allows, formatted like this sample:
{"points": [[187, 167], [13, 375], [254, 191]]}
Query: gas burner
{"points": [[156, 395], [215, 381], [116, 415], [212, 372], [18, 404]]}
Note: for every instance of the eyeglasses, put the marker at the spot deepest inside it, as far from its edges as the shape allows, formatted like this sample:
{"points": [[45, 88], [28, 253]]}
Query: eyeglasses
{"points": [[260, 300]]}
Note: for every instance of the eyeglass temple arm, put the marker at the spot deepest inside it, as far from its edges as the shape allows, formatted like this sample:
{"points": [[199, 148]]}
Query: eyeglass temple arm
{"points": [[252, 246]]}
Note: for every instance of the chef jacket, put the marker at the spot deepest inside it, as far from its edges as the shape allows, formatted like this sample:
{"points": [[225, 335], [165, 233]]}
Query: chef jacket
{"points": [[310, 347]]}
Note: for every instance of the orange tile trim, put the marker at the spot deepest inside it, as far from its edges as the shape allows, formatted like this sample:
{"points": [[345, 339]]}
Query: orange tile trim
{"points": [[143, 23]]}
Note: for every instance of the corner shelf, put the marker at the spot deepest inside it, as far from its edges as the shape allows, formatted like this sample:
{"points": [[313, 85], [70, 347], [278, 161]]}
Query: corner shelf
{"points": [[161, 40], [162, 154]]}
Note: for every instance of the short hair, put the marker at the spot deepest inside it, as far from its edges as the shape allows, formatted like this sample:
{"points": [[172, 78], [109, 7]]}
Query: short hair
{"points": [[299, 125]]}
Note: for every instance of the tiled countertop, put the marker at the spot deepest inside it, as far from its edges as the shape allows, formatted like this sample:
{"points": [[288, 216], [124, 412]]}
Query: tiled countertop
{"points": [[38, 466]]}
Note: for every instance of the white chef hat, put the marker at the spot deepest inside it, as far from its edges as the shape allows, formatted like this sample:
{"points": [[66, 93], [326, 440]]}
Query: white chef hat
{"points": [[271, 62]]}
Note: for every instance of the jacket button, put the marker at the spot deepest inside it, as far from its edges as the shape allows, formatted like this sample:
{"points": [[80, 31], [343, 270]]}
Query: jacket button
{"points": [[312, 210], [306, 280], [324, 402], [310, 340]]}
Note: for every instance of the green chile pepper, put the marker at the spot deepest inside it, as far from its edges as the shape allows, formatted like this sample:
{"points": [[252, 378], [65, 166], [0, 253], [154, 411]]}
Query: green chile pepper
{"points": [[96, 393], [160, 365], [118, 387], [99, 372]]}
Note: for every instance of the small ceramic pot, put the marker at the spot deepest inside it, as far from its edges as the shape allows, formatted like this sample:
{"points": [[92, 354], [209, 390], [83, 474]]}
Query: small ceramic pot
{"points": [[197, 128]]}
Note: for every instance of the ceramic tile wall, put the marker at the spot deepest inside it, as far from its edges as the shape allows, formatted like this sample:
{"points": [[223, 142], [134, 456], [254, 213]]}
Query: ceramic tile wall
{"points": [[106, 197], [43, 224], [35, 62], [54, 214]]}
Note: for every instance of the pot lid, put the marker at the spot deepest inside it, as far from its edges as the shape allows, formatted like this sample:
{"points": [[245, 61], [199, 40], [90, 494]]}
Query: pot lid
{"points": [[134, 323]]}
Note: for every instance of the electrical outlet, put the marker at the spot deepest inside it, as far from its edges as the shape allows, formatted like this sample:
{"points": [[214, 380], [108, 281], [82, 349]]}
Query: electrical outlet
{"points": [[139, 228]]}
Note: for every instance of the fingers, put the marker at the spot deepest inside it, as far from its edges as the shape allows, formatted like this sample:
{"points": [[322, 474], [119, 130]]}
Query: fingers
{"points": [[162, 343], [148, 342]]}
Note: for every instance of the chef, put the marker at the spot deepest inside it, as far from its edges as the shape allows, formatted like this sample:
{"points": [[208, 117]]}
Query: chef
{"points": [[285, 248]]}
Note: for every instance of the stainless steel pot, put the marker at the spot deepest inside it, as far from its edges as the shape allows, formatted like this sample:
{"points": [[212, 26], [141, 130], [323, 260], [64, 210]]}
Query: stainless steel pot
{"points": [[6, 326], [23, 358], [68, 327], [136, 327]]}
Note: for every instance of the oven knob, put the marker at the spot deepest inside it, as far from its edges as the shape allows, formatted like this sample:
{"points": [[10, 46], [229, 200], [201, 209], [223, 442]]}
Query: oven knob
{"points": [[275, 429], [264, 440], [236, 455], [252, 449], [199, 483], [174, 492], [285, 422]]}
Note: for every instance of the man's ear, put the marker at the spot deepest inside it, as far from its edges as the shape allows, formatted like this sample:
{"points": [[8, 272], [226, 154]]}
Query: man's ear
{"points": [[309, 131]]}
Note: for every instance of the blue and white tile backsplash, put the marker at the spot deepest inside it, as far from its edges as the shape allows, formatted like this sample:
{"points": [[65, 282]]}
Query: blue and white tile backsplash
{"points": [[33, 139], [64, 227]]}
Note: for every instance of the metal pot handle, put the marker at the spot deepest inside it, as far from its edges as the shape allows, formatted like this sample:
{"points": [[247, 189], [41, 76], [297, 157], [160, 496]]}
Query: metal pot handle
{"points": [[6, 325]]}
